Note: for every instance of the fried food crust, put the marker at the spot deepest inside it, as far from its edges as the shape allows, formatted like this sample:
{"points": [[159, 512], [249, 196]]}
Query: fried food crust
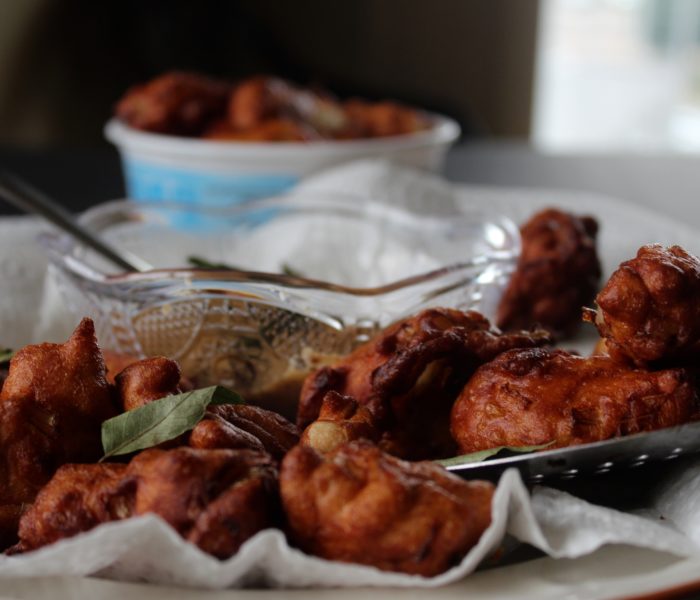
{"points": [[245, 426], [216, 499], [410, 374], [340, 421], [270, 130], [146, 380], [357, 504], [177, 103], [78, 498], [649, 311], [52, 407], [381, 119], [558, 272], [539, 396]]}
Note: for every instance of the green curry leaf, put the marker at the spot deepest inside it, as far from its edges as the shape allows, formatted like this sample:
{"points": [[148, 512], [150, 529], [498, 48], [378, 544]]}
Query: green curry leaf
{"points": [[161, 420], [482, 455]]}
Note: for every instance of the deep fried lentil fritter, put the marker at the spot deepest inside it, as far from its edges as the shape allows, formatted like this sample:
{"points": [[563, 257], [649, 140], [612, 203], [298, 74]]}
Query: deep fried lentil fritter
{"points": [[538, 396], [410, 374], [78, 498], [52, 407], [245, 426], [558, 272], [649, 310], [216, 499], [177, 103], [379, 119], [256, 100], [146, 380], [116, 362], [360, 505], [270, 130], [340, 421]]}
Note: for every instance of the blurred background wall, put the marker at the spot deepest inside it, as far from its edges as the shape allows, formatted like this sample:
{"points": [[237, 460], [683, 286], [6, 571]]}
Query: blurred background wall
{"points": [[63, 63], [567, 75]]}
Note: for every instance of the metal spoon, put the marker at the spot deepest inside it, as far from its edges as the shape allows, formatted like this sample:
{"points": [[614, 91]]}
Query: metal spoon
{"points": [[27, 198]]}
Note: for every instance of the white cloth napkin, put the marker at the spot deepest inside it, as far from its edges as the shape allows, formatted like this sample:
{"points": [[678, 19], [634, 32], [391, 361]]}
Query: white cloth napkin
{"points": [[555, 522]]}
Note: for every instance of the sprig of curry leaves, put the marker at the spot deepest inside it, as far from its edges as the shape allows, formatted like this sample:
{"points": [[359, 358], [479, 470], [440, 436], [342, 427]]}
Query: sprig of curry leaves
{"points": [[161, 420]]}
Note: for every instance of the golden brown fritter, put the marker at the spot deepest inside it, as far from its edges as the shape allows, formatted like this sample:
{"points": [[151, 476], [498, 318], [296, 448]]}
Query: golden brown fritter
{"points": [[271, 130], [52, 407], [360, 505], [257, 99], [116, 362], [245, 426], [340, 421], [538, 396], [216, 499], [176, 103], [558, 273], [410, 374], [649, 310], [271, 109], [146, 380], [78, 498], [380, 119], [259, 109]]}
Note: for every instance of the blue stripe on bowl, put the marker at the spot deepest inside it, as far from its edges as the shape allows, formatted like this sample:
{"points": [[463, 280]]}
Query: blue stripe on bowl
{"points": [[146, 181]]}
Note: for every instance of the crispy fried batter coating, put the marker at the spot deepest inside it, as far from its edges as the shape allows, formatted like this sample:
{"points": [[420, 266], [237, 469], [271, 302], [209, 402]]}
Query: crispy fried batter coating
{"points": [[259, 109], [146, 380], [78, 498], [382, 119], [116, 362], [649, 310], [52, 407], [266, 108], [340, 421], [176, 103], [558, 273], [216, 499], [409, 376], [245, 426], [358, 504], [257, 99], [538, 396], [271, 130]]}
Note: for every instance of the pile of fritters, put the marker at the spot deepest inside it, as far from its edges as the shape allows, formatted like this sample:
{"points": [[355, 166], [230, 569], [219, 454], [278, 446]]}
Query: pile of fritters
{"points": [[258, 109], [339, 483], [241, 469], [558, 272]]}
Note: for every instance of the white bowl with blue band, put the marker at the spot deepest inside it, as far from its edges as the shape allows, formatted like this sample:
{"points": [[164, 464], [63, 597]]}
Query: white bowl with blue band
{"points": [[221, 173]]}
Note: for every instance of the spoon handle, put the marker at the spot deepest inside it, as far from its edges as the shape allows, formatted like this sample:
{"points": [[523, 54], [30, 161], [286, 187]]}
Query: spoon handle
{"points": [[30, 200]]}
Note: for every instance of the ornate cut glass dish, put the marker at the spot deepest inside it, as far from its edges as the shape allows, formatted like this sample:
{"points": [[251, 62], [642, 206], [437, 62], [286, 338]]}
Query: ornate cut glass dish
{"points": [[311, 278]]}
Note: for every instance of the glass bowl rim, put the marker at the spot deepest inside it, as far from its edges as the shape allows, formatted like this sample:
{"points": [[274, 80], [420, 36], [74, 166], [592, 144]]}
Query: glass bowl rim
{"points": [[60, 246]]}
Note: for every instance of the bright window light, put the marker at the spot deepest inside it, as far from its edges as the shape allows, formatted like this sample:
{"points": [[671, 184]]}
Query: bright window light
{"points": [[618, 75]]}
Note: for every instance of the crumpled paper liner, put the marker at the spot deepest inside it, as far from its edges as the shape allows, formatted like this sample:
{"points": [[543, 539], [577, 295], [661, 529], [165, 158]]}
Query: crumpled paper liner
{"points": [[147, 549]]}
